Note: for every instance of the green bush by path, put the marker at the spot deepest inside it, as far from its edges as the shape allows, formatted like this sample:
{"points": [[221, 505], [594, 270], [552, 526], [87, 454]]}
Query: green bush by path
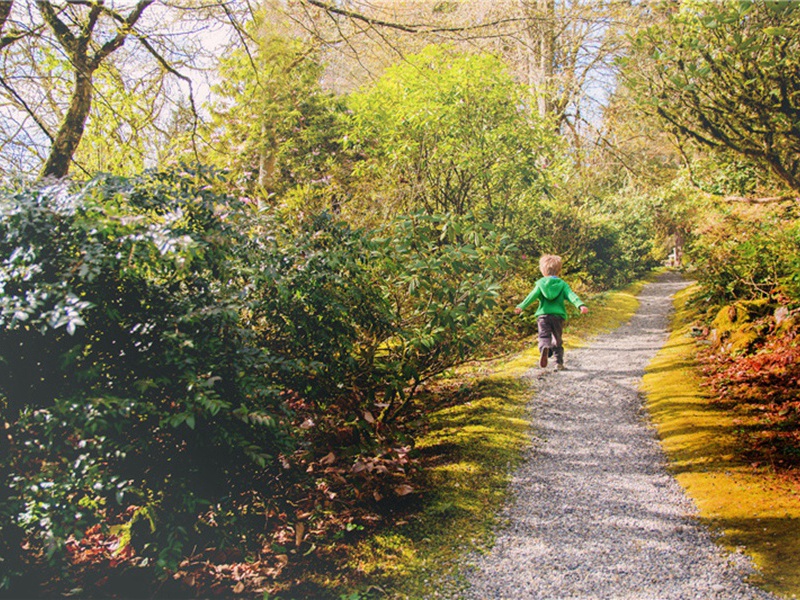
{"points": [[174, 361], [748, 253]]}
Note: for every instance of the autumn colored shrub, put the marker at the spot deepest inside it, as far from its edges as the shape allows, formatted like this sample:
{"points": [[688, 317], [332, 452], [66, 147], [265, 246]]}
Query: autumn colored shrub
{"points": [[765, 386]]}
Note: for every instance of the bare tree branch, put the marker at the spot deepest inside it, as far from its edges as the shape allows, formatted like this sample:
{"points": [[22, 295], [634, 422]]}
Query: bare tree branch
{"points": [[329, 8], [243, 37], [408, 28], [117, 41], [767, 200], [62, 32], [170, 69], [21, 102], [5, 12]]}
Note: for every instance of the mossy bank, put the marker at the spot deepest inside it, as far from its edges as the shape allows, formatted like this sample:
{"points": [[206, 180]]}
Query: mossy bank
{"points": [[754, 508]]}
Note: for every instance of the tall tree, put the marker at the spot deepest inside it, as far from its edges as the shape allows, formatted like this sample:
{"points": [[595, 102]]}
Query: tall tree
{"points": [[563, 50], [272, 126], [725, 75], [58, 57], [75, 28], [450, 132]]}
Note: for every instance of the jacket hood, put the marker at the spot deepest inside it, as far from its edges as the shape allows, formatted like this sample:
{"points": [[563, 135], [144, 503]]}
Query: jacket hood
{"points": [[551, 287]]}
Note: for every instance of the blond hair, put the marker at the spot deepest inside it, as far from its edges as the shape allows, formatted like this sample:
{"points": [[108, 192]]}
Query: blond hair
{"points": [[550, 265]]}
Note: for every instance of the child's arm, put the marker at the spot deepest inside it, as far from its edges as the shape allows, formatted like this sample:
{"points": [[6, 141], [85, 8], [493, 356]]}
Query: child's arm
{"points": [[576, 301], [534, 295]]}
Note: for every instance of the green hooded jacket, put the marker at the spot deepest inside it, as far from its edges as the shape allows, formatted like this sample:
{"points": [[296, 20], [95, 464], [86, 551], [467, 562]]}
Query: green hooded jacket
{"points": [[551, 292]]}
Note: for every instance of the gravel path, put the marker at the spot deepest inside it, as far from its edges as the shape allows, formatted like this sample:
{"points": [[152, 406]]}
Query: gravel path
{"points": [[595, 514]]}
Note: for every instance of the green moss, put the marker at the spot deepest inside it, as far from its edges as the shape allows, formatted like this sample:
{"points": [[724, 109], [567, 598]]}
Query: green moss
{"points": [[607, 311], [475, 445], [755, 509], [742, 340], [729, 318], [733, 326]]}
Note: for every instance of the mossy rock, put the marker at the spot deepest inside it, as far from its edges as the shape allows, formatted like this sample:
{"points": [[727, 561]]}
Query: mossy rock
{"points": [[757, 308], [742, 340], [733, 315], [733, 326], [729, 318]]}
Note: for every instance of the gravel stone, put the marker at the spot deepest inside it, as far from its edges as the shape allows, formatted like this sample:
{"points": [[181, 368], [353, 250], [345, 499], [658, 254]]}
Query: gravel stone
{"points": [[594, 511]]}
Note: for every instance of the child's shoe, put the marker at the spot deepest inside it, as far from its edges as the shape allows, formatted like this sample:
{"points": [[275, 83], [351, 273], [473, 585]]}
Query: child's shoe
{"points": [[543, 357], [561, 367]]}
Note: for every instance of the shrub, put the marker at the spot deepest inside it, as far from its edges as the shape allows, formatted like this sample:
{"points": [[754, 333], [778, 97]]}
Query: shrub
{"points": [[171, 359], [747, 255], [440, 276], [156, 332]]}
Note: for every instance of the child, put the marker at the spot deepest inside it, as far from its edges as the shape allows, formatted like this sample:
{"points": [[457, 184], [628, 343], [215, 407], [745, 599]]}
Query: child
{"points": [[551, 292]]}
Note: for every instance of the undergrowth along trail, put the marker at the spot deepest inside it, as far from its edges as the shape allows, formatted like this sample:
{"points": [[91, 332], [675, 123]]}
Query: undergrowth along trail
{"points": [[755, 508]]}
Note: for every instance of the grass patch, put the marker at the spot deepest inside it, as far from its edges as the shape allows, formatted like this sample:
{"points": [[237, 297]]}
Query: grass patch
{"points": [[470, 449], [755, 509]]}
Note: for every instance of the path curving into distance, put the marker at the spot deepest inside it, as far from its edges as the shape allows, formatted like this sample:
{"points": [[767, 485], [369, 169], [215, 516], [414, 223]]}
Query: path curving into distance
{"points": [[594, 512]]}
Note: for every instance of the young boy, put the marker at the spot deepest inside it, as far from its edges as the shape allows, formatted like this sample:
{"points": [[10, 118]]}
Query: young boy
{"points": [[551, 292]]}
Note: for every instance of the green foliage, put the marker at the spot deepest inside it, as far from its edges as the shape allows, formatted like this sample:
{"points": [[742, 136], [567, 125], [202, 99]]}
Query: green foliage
{"points": [[441, 278], [724, 174], [72, 445], [165, 350], [453, 132], [747, 255], [127, 294], [603, 244], [723, 74], [449, 132], [121, 132], [273, 128]]}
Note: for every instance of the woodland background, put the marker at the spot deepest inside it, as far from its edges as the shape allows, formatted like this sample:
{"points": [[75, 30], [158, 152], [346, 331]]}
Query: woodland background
{"points": [[241, 239]]}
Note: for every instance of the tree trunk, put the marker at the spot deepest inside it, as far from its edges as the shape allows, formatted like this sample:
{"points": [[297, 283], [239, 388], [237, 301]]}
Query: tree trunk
{"points": [[70, 132], [541, 51], [5, 11], [71, 129], [267, 161], [547, 11]]}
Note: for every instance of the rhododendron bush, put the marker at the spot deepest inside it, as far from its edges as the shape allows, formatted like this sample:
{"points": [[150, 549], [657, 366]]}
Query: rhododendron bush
{"points": [[182, 372]]}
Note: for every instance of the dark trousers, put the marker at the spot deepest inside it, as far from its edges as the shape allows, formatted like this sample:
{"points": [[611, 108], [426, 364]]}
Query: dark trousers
{"points": [[551, 328]]}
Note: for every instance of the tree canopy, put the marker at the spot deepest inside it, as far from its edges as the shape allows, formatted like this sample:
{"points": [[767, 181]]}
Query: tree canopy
{"points": [[452, 132], [725, 75]]}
